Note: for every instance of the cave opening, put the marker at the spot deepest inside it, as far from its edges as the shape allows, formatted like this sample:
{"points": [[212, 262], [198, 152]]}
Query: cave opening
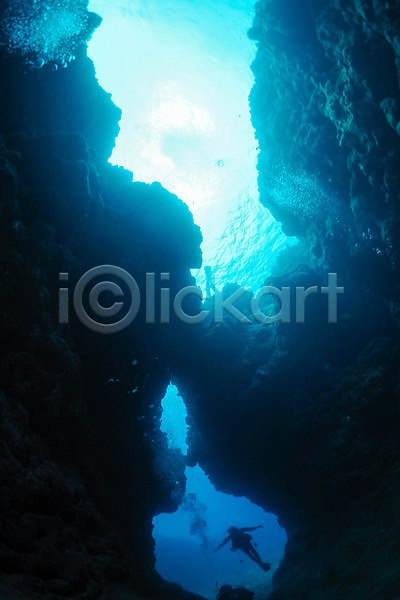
{"points": [[186, 123], [302, 420], [183, 82], [186, 540], [174, 419]]}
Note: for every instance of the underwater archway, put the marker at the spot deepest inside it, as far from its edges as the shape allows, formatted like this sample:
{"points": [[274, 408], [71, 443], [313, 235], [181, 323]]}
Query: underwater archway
{"points": [[186, 540]]}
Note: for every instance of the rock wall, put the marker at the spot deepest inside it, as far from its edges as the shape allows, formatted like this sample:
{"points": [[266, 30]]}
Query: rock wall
{"points": [[325, 106], [302, 419], [84, 466]]}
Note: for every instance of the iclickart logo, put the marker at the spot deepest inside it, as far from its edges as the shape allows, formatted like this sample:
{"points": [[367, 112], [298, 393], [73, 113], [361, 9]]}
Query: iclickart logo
{"points": [[107, 299]]}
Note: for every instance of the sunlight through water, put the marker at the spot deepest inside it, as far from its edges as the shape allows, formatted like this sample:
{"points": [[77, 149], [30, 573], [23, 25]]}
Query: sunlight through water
{"points": [[180, 71]]}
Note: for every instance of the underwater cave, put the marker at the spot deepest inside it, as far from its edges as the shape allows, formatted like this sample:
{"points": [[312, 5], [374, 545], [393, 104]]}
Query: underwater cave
{"points": [[188, 123], [199, 283], [186, 540]]}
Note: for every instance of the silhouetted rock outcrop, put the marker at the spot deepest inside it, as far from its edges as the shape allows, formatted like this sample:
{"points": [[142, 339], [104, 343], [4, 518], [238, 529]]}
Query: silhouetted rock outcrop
{"points": [[84, 466]]}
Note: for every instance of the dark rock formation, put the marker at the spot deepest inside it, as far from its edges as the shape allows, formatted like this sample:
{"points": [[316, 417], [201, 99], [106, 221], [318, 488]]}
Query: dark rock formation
{"points": [[227, 592], [84, 466], [302, 419]]}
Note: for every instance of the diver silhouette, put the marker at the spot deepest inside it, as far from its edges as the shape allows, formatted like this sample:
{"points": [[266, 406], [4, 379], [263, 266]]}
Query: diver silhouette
{"points": [[209, 282], [241, 540]]}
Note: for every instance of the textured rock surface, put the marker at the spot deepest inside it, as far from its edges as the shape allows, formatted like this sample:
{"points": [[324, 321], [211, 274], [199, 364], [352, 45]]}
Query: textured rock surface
{"points": [[325, 107], [303, 420], [50, 32], [84, 467]]}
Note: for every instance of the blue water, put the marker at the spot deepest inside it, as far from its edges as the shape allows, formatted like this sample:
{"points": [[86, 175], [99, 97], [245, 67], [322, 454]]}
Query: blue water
{"points": [[180, 71], [173, 421], [186, 540], [190, 558]]}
